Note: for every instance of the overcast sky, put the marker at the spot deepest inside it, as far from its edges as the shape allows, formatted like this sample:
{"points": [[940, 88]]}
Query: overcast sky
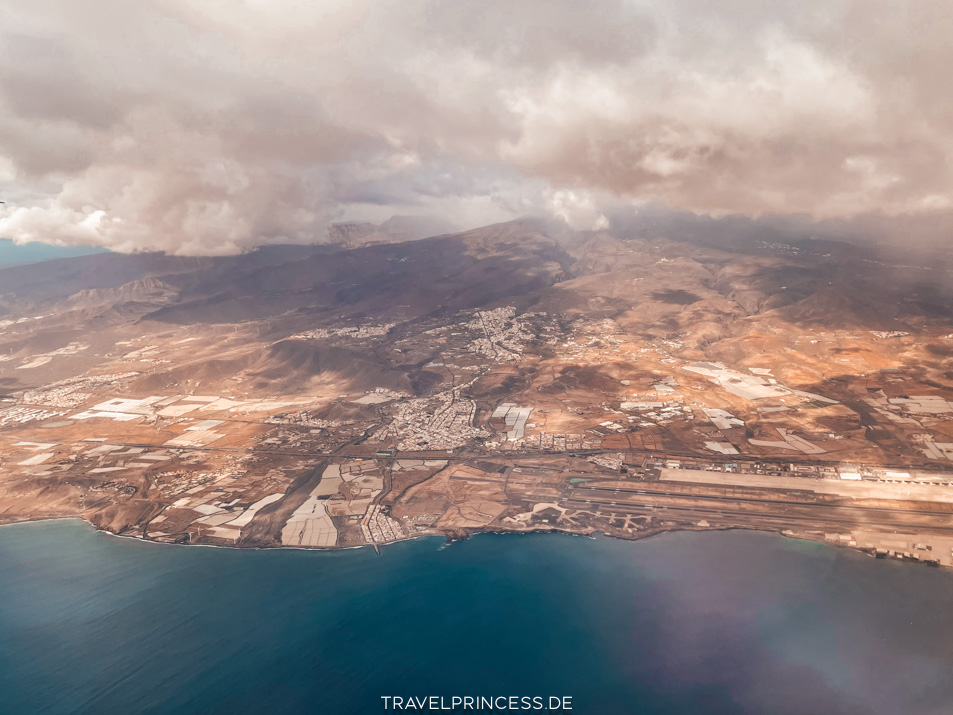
{"points": [[210, 126]]}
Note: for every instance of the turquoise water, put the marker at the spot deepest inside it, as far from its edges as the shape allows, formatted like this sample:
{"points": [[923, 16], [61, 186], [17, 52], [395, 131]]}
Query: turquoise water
{"points": [[726, 622]]}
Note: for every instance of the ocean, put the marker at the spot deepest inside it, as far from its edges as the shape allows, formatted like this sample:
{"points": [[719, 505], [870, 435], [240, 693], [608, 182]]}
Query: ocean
{"points": [[718, 622]]}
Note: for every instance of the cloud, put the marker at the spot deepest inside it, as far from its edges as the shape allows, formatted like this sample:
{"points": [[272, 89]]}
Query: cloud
{"points": [[208, 127]]}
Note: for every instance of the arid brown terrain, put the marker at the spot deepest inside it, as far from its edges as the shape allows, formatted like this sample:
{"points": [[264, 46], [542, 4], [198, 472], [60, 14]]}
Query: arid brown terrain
{"points": [[517, 377]]}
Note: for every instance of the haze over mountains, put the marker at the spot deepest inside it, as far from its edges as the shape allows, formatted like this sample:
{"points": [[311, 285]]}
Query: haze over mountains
{"points": [[393, 230], [306, 272]]}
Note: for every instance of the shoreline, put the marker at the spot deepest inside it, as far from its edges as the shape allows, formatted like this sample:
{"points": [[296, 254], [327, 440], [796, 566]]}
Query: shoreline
{"points": [[449, 539]]}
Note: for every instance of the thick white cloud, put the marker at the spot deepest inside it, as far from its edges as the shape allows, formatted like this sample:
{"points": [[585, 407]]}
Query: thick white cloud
{"points": [[206, 126]]}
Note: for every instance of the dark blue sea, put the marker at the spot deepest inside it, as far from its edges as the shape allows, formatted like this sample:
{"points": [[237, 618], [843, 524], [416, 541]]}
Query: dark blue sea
{"points": [[725, 622]]}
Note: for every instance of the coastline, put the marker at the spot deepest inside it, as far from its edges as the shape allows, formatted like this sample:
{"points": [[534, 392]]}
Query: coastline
{"points": [[450, 539]]}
